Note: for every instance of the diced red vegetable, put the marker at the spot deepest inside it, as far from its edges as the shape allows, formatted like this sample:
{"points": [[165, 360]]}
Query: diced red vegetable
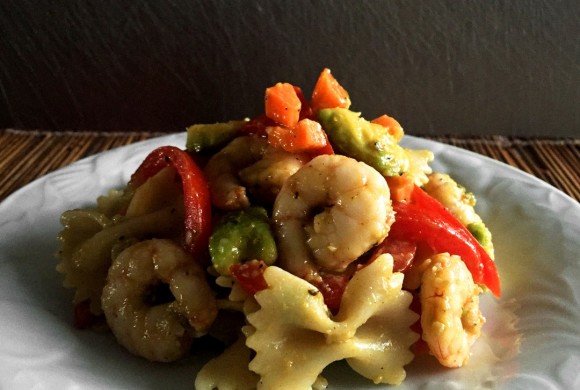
{"points": [[250, 275], [305, 109], [195, 193], [83, 317], [403, 252], [332, 288], [283, 105], [328, 93], [257, 126]]}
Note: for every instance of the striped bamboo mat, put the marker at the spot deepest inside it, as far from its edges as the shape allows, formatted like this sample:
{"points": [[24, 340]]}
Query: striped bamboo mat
{"points": [[27, 155]]}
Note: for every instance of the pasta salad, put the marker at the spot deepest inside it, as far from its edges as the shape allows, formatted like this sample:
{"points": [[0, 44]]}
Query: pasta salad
{"points": [[300, 237]]}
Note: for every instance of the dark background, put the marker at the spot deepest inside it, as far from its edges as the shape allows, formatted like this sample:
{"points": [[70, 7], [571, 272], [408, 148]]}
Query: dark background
{"points": [[439, 67]]}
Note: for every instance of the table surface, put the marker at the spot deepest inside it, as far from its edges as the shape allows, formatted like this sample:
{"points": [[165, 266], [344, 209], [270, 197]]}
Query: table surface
{"points": [[28, 155]]}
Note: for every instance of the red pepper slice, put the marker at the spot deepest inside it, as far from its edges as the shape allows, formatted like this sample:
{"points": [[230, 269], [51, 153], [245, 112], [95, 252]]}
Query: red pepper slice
{"points": [[195, 193], [425, 220]]}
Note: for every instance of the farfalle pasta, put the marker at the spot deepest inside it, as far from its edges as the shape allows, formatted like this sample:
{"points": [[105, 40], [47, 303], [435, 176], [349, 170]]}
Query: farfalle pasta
{"points": [[303, 236], [295, 336]]}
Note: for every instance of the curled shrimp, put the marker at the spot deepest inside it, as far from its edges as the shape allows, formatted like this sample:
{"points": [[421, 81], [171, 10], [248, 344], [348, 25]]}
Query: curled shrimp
{"points": [[246, 164], [329, 213], [157, 326], [450, 315]]}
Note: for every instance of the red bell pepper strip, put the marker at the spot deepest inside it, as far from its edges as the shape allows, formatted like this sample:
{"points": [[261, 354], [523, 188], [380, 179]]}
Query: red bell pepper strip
{"points": [[424, 220], [195, 193]]}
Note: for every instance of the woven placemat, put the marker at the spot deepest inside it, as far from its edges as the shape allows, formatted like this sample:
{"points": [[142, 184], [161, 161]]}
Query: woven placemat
{"points": [[28, 155]]}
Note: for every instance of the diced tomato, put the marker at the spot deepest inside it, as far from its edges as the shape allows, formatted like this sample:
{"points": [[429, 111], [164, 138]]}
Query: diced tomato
{"points": [[332, 288], [305, 109], [83, 317], [257, 126], [400, 188], [328, 93], [250, 275], [283, 105], [402, 251]]}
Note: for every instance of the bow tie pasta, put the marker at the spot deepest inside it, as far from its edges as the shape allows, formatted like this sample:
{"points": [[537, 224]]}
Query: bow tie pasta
{"points": [[295, 336]]}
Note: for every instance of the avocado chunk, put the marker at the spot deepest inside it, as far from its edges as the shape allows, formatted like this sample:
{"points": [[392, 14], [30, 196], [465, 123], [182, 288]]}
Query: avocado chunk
{"points": [[480, 232], [203, 137], [360, 139], [240, 236]]}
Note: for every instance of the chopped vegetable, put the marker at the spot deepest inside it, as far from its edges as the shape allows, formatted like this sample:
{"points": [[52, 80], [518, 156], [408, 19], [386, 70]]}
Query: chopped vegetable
{"points": [[368, 142], [242, 235], [307, 136], [195, 193], [403, 252], [250, 276], [400, 187], [328, 93], [283, 104], [480, 232], [391, 124], [211, 136]]}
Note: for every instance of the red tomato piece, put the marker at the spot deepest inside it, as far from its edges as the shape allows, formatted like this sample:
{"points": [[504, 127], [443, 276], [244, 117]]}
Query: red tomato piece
{"points": [[402, 251], [250, 275]]}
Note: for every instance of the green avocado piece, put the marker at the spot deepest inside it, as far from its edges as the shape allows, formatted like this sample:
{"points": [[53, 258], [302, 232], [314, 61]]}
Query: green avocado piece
{"points": [[242, 235], [480, 232], [211, 136], [360, 139]]}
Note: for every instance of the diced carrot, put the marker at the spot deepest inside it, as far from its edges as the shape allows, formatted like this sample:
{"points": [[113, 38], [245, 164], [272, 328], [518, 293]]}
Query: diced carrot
{"points": [[283, 105], [307, 136], [328, 93], [400, 188], [393, 127]]}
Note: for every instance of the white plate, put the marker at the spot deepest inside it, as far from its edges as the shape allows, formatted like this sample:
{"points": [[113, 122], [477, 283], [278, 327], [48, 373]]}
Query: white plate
{"points": [[531, 338]]}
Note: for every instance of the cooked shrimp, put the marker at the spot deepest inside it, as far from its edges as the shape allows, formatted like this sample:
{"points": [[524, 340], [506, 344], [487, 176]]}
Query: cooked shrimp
{"points": [[454, 197], [226, 190], [450, 315], [266, 177], [146, 323], [248, 164], [330, 212]]}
